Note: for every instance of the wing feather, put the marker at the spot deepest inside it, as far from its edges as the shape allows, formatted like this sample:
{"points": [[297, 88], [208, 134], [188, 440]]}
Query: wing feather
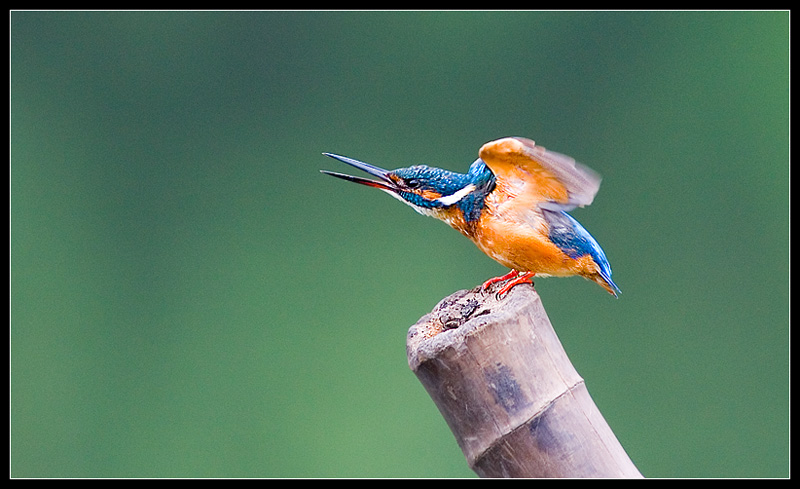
{"points": [[551, 180]]}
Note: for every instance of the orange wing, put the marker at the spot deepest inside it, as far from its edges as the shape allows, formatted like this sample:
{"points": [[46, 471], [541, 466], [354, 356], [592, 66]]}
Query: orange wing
{"points": [[541, 177]]}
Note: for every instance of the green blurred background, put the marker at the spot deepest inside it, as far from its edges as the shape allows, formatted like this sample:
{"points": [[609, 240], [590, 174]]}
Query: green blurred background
{"points": [[190, 297]]}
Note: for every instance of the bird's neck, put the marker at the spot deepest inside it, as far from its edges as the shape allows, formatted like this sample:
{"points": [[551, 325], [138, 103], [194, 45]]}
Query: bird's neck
{"points": [[465, 214], [484, 180]]}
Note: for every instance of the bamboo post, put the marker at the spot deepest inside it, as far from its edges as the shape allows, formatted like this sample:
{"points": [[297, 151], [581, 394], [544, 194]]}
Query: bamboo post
{"points": [[502, 381]]}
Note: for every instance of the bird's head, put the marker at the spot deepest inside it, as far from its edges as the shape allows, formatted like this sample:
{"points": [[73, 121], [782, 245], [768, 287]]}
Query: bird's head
{"points": [[430, 191]]}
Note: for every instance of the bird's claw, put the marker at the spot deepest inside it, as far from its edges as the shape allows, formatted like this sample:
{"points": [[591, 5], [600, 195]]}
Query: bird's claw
{"points": [[518, 278], [511, 274]]}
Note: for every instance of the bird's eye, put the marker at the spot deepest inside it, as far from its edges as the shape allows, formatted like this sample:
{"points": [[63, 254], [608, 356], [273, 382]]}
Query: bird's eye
{"points": [[412, 183]]}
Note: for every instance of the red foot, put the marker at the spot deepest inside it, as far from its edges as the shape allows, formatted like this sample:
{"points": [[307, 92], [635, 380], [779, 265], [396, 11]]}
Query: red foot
{"points": [[511, 274], [526, 277], [519, 278]]}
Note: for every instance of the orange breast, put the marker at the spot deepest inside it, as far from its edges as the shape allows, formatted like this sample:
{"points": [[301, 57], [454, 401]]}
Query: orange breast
{"points": [[516, 237], [512, 231], [520, 247]]}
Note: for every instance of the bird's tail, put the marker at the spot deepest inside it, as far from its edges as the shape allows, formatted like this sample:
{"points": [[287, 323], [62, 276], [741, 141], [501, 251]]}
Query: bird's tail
{"points": [[605, 282]]}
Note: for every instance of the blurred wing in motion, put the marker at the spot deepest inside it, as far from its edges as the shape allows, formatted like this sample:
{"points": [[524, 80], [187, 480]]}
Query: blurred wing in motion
{"points": [[545, 178]]}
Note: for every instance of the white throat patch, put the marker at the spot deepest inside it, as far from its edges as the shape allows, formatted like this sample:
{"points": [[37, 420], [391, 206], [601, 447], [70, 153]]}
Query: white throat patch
{"points": [[448, 200]]}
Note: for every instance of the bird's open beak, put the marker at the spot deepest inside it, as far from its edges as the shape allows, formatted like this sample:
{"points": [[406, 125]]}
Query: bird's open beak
{"points": [[385, 182]]}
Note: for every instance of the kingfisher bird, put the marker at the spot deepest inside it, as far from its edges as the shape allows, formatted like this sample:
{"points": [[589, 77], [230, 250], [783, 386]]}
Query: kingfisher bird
{"points": [[512, 203]]}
